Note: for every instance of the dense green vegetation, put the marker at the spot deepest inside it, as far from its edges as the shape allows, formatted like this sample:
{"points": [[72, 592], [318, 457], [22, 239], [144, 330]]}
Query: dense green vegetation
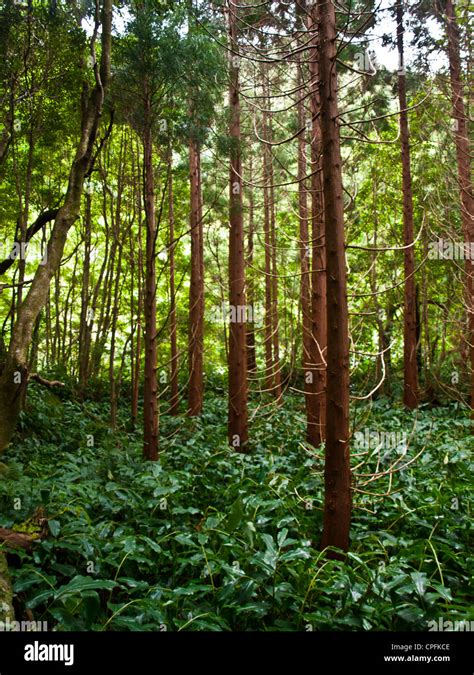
{"points": [[210, 540]]}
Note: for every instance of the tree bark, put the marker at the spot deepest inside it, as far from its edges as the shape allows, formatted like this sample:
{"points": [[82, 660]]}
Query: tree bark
{"points": [[150, 393], [238, 416], [337, 474], [196, 289], [251, 348], [305, 285], [85, 322], [6, 594], [463, 155], [174, 404], [410, 391], [318, 342]]}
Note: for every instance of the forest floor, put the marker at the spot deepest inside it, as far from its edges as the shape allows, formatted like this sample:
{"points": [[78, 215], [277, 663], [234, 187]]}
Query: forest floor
{"points": [[207, 539]]}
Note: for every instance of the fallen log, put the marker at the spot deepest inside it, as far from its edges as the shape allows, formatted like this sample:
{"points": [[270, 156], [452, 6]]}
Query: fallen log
{"points": [[24, 536], [12, 539]]}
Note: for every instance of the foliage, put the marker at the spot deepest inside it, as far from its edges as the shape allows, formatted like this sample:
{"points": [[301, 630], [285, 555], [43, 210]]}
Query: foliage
{"points": [[207, 539]]}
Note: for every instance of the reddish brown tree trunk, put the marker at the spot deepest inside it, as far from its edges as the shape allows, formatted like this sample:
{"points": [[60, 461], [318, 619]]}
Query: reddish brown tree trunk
{"points": [[268, 332], [463, 154], [150, 393], [305, 287], [251, 353], [274, 281], [196, 290], [410, 392], [238, 416], [337, 474], [138, 308], [271, 340], [174, 405], [318, 343]]}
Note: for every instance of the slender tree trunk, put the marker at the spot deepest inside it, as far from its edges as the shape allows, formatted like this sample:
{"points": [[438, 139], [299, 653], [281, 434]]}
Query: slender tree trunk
{"points": [[251, 353], [120, 239], [305, 286], [274, 282], [238, 416], [136, 356], [150, 393], [25, 210], [85, 322], [174, 405], [410, 392], [112, 373], [115, 313], [318, 344], [269, 328], [196, 289], [383, 339], [337, 473], [463, 154]]}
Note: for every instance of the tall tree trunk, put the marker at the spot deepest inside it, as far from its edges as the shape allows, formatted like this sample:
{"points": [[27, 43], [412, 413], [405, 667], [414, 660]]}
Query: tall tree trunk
{"points": [[196, 289], [251, 353], [383, 343], [138, 309], [14, 376], [318, 344], [238, 415], [337, 473], [269, 328], [463, 155], [272, 340], [85, 321], [305, 286], [174, 404], [150, 392], [24, 214], [118, 284], [410, 391], [274, 281]]}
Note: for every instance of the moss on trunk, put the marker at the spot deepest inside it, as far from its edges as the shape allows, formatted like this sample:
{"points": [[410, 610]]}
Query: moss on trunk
{"points": [[6, 594]]}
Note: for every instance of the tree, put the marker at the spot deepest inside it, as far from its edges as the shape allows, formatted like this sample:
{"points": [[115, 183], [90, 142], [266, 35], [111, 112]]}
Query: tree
{"points": [[237, 421], [14, 375], [463, 156], [196, 287], [410, 392], [318, 340], [337, 473]]}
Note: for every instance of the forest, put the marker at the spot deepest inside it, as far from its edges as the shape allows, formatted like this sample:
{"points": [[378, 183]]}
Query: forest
{"points": [[237, 316]]}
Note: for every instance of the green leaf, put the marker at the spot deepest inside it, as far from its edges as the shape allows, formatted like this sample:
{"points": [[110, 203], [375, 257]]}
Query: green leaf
{"points": [[420, 581], [54, 527], [80, 584], [236, 515]]}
